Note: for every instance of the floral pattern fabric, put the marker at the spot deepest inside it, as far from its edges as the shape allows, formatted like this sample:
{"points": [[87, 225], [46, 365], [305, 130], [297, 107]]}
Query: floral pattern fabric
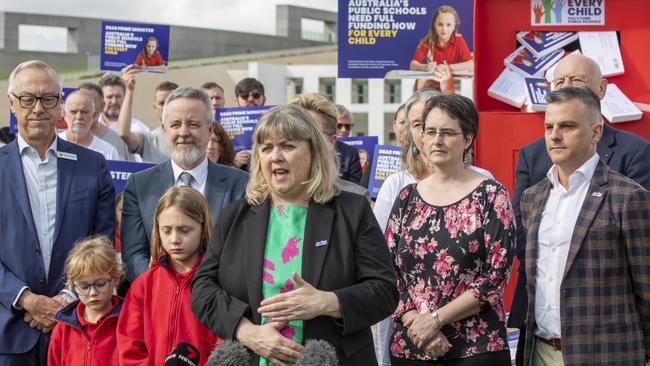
{"points": [[440, 252], [282, 257]]}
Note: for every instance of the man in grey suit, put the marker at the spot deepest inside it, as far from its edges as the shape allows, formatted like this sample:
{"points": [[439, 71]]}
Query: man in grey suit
{"points": [[187, 123]]}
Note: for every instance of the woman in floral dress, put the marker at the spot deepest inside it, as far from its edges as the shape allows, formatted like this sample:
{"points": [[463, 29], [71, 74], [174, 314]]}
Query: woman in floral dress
{"points": [[452, 238]]}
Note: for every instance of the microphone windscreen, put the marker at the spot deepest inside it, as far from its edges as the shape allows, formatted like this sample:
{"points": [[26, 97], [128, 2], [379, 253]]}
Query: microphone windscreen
{"points": [[229, 353], [318, 352], [185, 354]]}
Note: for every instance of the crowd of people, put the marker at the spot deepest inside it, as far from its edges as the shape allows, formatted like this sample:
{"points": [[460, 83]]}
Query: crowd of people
{"points": [[281, 244]]}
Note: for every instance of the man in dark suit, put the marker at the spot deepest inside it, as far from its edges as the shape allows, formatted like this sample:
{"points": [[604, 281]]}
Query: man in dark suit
{"points": [[53, 193], [187, 124], [622, 151], [350, 167], [586, 229]]}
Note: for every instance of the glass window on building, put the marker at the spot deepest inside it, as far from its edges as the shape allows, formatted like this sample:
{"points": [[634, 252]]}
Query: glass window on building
{"points": [[294, 88], [327, 86], [359, 91], [360, 121], [389, 134], [393, 91]]}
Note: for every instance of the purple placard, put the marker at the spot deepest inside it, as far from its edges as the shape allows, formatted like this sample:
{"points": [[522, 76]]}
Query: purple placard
{"points": [[240, 123], [387, 160], [125, 44], [376, 37]]}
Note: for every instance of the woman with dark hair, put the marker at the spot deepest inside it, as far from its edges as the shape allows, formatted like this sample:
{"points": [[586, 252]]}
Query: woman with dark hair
{"points": [[220, 146], [149, 56], [452, 238]]}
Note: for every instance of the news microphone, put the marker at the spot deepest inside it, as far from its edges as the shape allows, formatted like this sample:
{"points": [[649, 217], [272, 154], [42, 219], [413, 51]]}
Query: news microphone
{"points": [[229, 353], [318, 352], [185, 354]]}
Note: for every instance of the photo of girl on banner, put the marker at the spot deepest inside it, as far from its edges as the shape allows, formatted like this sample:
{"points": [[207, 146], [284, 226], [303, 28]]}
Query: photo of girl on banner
{"points": [[414, 39], [145, 46], [443, 46], [149, 57]]}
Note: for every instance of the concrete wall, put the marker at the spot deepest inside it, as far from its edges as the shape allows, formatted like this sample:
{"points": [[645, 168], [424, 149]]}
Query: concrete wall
{"points": [[187, 42]]}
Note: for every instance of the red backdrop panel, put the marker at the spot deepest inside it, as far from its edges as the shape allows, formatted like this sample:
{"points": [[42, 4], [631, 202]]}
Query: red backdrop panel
{"points": [[503, 130]]}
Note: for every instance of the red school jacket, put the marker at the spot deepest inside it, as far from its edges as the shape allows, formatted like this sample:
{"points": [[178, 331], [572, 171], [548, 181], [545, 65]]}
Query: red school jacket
{"points": [[156, 316], [75, 342]]}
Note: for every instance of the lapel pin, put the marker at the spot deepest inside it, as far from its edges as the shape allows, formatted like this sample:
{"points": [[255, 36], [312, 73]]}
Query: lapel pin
{"points": [[321, 243], [597, 194]]}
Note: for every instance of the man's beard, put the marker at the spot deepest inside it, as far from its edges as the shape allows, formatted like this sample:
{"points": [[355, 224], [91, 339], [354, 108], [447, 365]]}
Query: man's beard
{"points": [[184, 156], [112, 112]]}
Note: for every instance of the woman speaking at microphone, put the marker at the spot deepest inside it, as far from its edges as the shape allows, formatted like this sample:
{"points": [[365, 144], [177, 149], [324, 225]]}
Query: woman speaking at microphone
{"points": [[297, 259]]}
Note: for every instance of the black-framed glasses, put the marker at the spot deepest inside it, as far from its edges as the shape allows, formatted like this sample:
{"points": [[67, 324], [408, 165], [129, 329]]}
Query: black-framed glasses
{"points": [[255, 95], [29, 101], [83, 288], [347, 126], [444, 134]]}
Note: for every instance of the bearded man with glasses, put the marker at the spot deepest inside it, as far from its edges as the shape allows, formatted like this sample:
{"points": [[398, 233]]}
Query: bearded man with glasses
{"points": [[53, 193]]}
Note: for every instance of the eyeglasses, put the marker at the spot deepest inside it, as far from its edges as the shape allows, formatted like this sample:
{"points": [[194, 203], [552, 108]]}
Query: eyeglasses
{"points": [[255, 95], [29, 101], [101, 285], [444, 134], [347, 126]]}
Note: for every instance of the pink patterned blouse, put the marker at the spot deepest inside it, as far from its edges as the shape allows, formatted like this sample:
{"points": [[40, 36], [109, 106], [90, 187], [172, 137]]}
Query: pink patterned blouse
{"points": [[442, 252]]}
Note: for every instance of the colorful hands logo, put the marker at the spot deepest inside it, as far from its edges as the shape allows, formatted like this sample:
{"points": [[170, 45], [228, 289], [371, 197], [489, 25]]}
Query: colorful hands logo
{"points": [[548, 8]]}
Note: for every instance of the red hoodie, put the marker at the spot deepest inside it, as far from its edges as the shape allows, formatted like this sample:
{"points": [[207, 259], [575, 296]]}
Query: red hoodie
{"points": [[76, 342], [156, 316]]}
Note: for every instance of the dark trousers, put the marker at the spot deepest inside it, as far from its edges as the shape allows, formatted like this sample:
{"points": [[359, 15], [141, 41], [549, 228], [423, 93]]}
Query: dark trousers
{"points": [[501, 358], [37, 356]]}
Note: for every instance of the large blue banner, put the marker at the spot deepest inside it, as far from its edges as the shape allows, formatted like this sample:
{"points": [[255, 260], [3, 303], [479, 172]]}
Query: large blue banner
{"points": [[145, 45], [122, 170], [240, 123], [386, 161], [377, 36]]}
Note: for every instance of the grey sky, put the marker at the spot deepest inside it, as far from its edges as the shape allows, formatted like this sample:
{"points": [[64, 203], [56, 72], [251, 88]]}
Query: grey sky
{"points": [[256, 16]]}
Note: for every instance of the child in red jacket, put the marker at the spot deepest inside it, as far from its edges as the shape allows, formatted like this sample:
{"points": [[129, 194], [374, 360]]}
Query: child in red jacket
{"points": [[85, 333], [156, 315], [443, 46]]}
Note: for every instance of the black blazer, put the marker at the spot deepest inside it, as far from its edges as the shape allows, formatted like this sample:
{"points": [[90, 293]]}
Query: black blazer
{"points": [[350, 167], [622, 151], [355, 264]]}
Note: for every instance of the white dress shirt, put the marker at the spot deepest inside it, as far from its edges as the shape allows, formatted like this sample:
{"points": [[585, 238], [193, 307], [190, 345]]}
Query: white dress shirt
{"points": [[98, 145], [554, 237], [199, 173], [41, 181]]}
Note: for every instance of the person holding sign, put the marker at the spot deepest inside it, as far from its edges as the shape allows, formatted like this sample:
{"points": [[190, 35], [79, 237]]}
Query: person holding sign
{"points": [[149, 58], [452, 238], [443, 45], [297, 259], [249, 92], [151, 145]]}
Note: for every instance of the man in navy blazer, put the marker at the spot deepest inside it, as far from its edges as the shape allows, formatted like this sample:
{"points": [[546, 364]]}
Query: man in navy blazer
{"points": [[187, 124], [622, 151], [53, 193]]}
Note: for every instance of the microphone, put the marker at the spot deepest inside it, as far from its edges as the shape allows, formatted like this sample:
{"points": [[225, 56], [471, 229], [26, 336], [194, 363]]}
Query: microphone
{"points": [[229, 353], [318, 352], [185, 354]]}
